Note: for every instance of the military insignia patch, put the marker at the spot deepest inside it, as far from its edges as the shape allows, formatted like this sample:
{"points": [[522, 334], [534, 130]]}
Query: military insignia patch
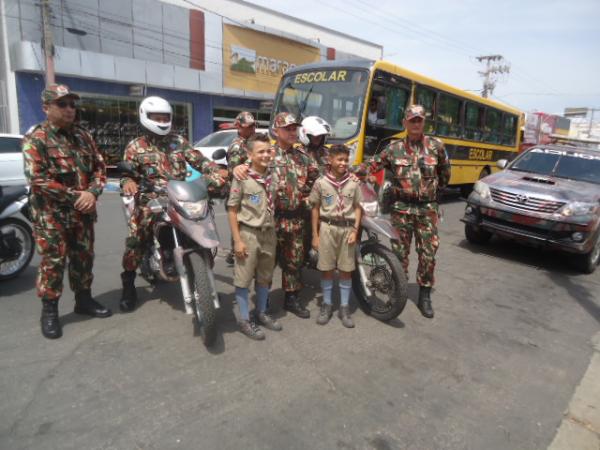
{"points": [[255, 199]]}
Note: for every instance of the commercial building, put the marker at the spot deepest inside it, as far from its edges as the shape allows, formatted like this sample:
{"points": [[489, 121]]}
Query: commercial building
{"points": [[209, 59]]}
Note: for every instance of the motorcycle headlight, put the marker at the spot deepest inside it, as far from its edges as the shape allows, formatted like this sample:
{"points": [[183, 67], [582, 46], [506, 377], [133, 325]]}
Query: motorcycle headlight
{"points": [[577, 209], [371, 209], [482, 189], [194, 210]]}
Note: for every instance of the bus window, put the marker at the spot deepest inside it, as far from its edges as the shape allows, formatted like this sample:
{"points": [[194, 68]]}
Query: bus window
{"points": [[473, 121], [426, 98], [448, 116], [510, 129], [493, 126]]}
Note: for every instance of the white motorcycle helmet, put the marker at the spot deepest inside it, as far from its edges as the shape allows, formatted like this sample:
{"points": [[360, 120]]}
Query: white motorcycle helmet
{"points": [[314, 126], [156, 105]]}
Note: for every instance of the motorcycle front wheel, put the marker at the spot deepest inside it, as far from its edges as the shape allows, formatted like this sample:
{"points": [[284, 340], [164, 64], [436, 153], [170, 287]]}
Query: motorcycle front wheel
{"points": [[386, 281], [204, 308], [16, 248]]}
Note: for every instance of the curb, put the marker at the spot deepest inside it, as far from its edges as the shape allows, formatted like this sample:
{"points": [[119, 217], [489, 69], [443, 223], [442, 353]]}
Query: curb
{"points": [[580, 427]]}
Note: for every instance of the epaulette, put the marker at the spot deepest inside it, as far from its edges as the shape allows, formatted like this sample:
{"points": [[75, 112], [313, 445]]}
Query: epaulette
{"points": [[33, 128]]}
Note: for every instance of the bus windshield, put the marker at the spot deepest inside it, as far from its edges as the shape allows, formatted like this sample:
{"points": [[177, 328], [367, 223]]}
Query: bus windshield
{"points": [[336, 95]]}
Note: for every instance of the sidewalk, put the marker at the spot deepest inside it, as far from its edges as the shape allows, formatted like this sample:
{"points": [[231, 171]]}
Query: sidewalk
{"points": [[580, 427]]}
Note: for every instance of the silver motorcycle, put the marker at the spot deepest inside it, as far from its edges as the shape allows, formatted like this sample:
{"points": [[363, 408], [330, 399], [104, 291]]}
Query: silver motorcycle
{"points": [[184, 245], [16, 237]]}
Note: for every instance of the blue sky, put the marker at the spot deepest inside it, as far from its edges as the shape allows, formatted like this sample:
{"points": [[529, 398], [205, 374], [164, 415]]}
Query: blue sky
{"points": [[553, 47]]}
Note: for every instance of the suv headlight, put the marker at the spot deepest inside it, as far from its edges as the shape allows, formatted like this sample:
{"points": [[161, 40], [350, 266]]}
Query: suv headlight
{"points": [[194, 210], [577, 209], [482, 189]]}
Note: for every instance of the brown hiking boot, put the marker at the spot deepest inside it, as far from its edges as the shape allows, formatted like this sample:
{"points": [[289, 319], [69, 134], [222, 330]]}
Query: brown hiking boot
{"points": [[251, 330], [324, 314], [268, 322], [345, 316]]}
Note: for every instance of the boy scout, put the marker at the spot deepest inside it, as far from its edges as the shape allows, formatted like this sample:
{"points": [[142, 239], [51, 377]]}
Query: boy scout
{"points": [[336, 217], [251, 208]]}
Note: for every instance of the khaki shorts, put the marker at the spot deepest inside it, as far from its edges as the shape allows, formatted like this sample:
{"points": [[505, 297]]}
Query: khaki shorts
{"points": [[334, 250], [260, 262]]}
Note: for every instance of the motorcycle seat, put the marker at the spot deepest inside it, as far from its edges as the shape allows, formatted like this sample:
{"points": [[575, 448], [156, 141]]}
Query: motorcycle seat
{"points": [[9, 194]]}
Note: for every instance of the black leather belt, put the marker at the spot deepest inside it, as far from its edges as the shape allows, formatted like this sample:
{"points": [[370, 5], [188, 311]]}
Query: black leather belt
{"points": [[338, 222]]}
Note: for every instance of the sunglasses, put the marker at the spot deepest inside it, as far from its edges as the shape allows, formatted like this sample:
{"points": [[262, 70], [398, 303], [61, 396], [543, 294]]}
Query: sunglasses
{"points": [[62, 104]]}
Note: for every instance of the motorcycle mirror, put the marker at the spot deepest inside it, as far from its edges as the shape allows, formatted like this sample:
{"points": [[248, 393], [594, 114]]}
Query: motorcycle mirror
{"points": [[219, 154]]}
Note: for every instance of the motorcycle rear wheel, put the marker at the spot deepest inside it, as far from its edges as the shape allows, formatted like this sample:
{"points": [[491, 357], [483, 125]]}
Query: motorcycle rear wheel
{"points": [[24, 235], [388, 283], [205, 313]]}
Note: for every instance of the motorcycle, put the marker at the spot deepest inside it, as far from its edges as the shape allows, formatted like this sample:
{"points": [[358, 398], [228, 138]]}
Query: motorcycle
{"points": [[379, 282], [184, 245], [16, 237]]}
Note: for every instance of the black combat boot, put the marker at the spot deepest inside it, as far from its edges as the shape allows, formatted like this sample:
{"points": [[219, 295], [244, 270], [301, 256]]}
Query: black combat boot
{"points": [[129, 296], [345, 317], [51, 328], [292, 304], [425, 302], [85, 304]]}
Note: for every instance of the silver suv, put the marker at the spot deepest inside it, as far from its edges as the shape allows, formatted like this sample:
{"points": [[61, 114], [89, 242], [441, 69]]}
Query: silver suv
{"points": [[547, 196], [11, 160]]}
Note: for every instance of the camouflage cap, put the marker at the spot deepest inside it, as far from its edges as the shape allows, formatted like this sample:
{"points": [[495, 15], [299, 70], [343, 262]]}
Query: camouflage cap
{"points": [[284, 119], [244, 119], [56, 91], [414, 111]]}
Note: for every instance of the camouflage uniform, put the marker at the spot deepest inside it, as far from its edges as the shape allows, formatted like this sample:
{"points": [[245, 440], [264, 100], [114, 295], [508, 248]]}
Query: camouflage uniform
{"points": [[57, 163], [321, 156], [237, 153], [158, 159], [295, 172], [420, 169]]}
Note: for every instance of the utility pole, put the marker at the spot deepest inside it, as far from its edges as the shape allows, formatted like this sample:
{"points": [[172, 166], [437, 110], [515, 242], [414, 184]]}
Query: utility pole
{"points": [[48, 42], [490, 73]]}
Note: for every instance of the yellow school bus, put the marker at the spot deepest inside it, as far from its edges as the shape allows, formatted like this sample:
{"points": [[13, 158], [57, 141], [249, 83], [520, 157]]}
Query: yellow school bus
{"points": [[364, 102]]}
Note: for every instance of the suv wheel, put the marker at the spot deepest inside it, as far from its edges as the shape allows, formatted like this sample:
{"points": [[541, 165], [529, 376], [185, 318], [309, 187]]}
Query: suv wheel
{"points": [[476, 235], [587, 263]]}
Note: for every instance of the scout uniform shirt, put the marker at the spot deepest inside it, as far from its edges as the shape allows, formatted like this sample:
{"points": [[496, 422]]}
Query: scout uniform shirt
{"points": [[57, 163], [337, 198], [254, 199]]}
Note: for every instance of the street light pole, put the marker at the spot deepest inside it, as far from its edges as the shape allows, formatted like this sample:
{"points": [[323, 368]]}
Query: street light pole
{"points": [[48, 42]]}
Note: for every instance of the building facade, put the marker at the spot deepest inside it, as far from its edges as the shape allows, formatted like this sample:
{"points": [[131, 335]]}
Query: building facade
{"points": [[209, 59]]}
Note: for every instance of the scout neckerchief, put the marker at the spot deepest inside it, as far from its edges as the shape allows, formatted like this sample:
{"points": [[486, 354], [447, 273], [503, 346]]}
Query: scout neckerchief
{"points": [[338, 185], [265, 182]]}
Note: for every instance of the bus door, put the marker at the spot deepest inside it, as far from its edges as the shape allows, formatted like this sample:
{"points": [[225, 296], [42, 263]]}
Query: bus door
{"points": [[387, 100]]}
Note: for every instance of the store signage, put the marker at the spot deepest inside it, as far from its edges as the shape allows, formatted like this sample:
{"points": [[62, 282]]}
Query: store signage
{"points": [[255, 61], [137, 90]]}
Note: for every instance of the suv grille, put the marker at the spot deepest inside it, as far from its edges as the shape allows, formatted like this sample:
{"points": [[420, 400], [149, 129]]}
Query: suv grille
{"points": [[525, 202]]}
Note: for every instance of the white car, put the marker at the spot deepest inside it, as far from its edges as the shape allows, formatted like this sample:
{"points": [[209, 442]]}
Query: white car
{"points": [[218, 140], [11, 160]]}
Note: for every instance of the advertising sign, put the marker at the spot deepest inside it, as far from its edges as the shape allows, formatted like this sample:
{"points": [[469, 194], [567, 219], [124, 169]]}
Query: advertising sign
{"points": [[254, 61]]}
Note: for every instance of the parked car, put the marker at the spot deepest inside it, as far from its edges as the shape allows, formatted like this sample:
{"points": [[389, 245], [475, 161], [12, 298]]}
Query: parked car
{"points": [[214, 141], [11, 160], [548, 196]]}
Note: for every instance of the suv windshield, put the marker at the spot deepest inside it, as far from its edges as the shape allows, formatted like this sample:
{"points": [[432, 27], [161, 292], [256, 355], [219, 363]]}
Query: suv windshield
{"points": [[336, 95], [217, 139], [570, 164]]}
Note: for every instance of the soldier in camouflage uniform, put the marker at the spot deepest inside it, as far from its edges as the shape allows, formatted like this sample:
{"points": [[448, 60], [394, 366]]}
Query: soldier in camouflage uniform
{"points": [[67, 174], [295, 172], [421, 168], [237, 153], [157, 157]]}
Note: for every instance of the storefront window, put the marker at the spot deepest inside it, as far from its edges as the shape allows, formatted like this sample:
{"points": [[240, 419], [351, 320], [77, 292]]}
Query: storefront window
{"points": [[114, 122]]}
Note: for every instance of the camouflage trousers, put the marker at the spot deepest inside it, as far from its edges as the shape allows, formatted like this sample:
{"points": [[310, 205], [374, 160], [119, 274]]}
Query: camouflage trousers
{"points": [[139, 236], [291, 243], [74, 242], [423, 225]]}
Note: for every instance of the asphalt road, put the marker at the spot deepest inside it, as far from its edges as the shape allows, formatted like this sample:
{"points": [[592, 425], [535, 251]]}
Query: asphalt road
{"points": [[495, 369]]}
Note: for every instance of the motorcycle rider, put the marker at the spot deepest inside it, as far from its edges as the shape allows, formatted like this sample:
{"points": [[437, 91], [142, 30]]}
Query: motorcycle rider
{"points": [[157, 156], [313, 134]]}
